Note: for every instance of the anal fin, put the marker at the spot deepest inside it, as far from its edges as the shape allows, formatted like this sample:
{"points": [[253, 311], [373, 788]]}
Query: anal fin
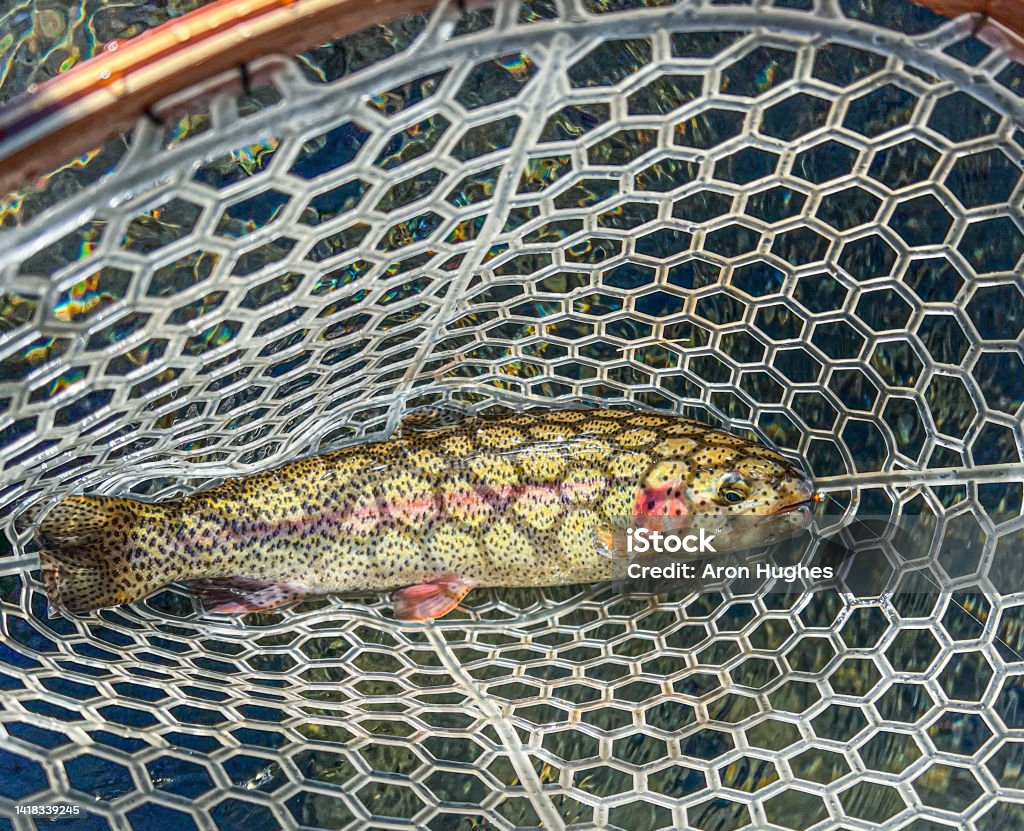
{"points": [[238, 595], [426, 601]]}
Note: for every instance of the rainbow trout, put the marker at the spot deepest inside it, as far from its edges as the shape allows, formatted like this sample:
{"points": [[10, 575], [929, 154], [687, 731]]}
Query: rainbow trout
{"points": [[533, 499]]}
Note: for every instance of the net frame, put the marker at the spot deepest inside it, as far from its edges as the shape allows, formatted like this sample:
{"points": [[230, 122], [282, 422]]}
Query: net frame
{"points": [[452, 641]]}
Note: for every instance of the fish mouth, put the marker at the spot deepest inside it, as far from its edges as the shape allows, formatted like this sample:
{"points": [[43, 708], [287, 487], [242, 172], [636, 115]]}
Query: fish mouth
{"points": [[803, 504], [802, 494]]}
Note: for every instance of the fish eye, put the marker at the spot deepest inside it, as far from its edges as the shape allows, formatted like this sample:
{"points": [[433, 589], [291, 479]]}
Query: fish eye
{"points": [[732, 489]]}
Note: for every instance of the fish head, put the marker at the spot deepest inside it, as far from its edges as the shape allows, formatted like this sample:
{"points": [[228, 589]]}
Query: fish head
{"points": [[739, 490]]}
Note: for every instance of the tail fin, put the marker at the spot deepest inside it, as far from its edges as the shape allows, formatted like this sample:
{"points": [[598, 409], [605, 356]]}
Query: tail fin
{"points": [[93, 553]]}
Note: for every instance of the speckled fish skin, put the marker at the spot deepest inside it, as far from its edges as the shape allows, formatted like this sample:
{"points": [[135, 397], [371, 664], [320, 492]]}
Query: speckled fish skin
{"points": [[507, 501]]}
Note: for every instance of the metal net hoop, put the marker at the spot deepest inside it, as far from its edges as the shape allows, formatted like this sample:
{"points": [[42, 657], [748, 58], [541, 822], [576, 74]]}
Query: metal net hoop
{"points": [[799, 222]]}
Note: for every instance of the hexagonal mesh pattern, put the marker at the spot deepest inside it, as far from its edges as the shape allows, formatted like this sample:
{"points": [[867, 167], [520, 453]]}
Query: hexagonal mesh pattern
{"points": [[800, 218]]}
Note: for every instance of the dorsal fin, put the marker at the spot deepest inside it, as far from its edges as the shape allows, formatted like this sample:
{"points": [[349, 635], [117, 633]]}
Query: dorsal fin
{"points": [[431, 419]]}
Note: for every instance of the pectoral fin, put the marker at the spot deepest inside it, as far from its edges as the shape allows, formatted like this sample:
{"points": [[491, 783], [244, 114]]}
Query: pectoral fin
{"points": [[612, 543], [426, 601], [237, 595]]}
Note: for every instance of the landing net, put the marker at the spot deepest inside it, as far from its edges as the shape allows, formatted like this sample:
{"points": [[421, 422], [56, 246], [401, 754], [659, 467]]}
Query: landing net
{"points": [[800, 219]]}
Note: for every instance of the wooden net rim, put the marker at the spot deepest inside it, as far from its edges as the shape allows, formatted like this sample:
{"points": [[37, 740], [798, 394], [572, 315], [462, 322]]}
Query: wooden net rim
{"points": [[94, 101]]}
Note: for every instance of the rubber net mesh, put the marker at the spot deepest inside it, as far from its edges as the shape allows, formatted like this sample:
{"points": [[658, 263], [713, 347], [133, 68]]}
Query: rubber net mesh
{"points": [[800, 219]]}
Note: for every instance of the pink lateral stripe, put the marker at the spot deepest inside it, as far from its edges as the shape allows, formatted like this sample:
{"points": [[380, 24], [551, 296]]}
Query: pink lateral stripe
{"points": [[365, 516]]}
